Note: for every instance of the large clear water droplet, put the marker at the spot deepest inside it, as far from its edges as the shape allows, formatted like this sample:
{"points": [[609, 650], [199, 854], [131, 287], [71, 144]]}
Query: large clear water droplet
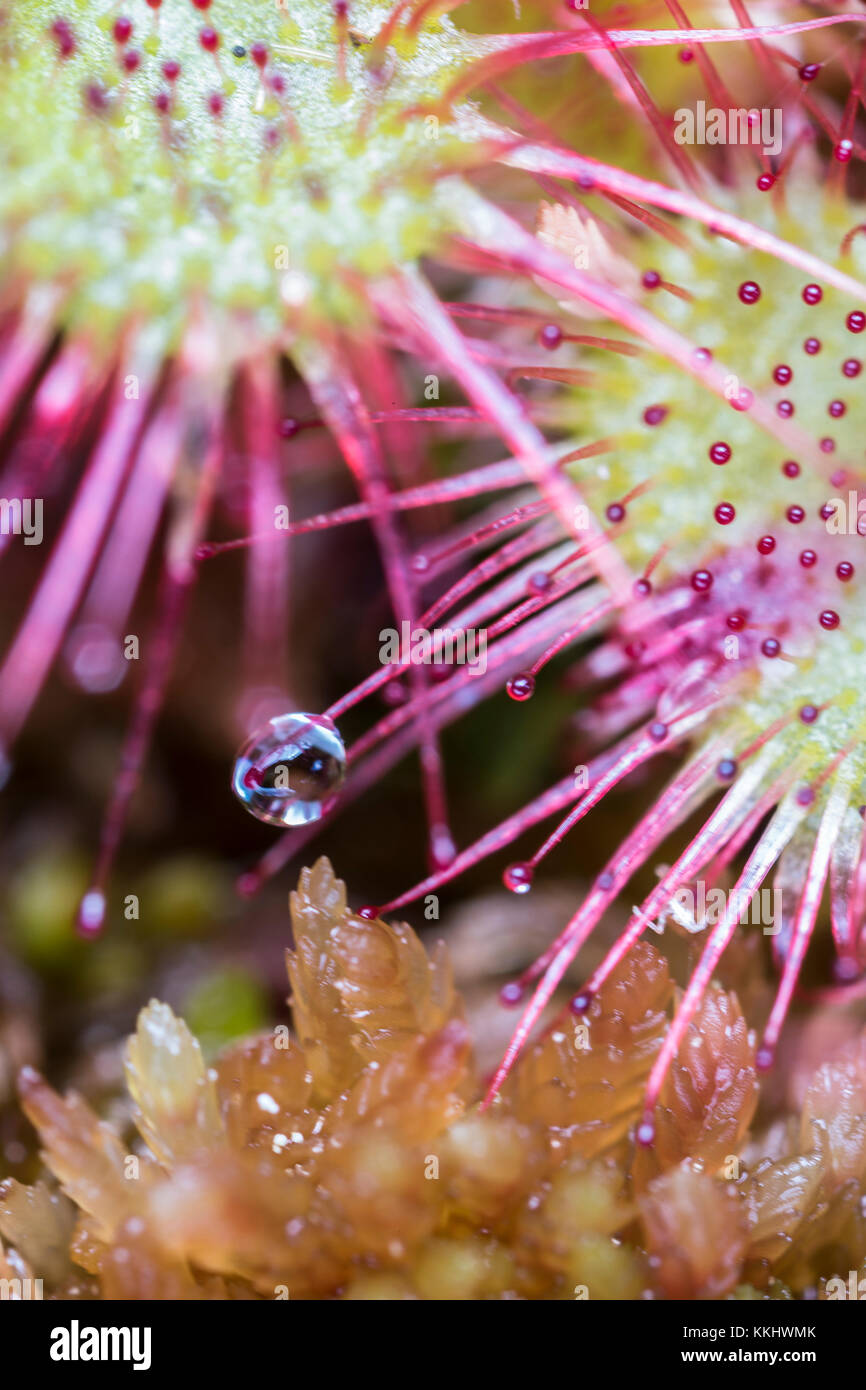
{"points": [[289, 771]]}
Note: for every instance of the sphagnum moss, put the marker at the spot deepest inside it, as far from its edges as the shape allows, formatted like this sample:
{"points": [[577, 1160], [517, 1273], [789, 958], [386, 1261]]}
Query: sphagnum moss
{"points": [[351, 1160]]}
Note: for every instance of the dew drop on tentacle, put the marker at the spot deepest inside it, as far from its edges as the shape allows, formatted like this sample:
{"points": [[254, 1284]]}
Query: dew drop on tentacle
{"points": [[511, 994], [248, 884], [550, 336], [288, 771], [90, 918], [518, 878], [94, 658], [521, 687], [645, 1133], [764, 1059]]}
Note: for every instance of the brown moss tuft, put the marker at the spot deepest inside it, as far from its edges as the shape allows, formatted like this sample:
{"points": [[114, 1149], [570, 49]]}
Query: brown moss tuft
{"points": [[351, 1160]]}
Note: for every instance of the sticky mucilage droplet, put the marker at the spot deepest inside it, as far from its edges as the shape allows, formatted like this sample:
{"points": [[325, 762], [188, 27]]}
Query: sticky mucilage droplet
{"points": [[288, 771]]}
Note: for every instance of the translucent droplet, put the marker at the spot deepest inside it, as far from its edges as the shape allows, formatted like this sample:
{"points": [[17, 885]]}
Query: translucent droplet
{"points": [[518, 878], [91, 913], [94, 659], [288, 771], [511, 994]]}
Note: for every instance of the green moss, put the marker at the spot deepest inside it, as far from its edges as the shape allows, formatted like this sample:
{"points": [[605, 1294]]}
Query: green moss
{"points": [[184, 896], [43, 900], [225, 1004]]}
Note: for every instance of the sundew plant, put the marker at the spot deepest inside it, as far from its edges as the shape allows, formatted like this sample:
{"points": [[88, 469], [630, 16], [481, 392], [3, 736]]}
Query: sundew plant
{"points": [[653, 217]]}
